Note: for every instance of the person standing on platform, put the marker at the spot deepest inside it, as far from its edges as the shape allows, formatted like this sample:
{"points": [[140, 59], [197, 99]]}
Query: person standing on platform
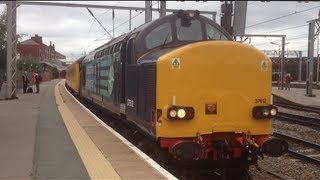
{"points": [[25, 81], [36, 80], [288, 81], [279, 82]]}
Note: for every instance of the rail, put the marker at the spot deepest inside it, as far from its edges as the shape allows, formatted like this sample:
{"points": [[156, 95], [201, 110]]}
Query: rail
{"points": [[306, 144], [298, 107], [302, 120]]}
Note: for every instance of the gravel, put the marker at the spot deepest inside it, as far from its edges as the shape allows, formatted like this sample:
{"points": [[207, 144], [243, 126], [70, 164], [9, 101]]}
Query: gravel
{"points": [[296, 130], [291, 167]]}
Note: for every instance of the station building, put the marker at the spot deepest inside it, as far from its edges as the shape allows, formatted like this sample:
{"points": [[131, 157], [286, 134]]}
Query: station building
{"points": [[36, 49]]}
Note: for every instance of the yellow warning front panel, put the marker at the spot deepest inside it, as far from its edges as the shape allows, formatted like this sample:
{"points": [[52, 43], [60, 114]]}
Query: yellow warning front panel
{"points": [[233, 76]]}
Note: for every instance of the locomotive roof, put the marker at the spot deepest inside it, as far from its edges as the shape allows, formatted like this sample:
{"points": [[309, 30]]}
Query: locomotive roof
{"points": [[145, 28], [123, 36]]}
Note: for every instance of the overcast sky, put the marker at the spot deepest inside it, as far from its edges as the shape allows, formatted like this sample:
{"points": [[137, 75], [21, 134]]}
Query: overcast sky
{"points": [[74, 30]]}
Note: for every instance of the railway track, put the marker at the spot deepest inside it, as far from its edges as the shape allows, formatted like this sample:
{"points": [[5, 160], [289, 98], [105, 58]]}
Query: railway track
{"points": [[153, 150], [302, 120], [275, 174], [159, 157], [302, 149], [298, 107]]}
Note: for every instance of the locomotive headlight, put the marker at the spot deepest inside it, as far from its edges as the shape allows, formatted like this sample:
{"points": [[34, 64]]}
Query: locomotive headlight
{"points": [[173, 113], [273, 112], [181, 113], [191, 14], [265, 112]]}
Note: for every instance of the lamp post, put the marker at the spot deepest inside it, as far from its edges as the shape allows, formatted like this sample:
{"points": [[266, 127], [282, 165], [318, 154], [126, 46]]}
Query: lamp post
{"points": [[281, 60]]}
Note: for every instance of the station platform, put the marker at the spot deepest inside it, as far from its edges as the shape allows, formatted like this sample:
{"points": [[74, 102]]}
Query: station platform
{"points": [[51, 136], [298, 95]]}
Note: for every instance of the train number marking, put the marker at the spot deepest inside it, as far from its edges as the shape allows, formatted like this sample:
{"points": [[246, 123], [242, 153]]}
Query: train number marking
{"points": [[130, 102], [175, 63], [260, 100]]}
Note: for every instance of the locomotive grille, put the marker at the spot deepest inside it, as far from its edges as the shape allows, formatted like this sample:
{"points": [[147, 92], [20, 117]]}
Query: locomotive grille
{"points": [[148, 87]]}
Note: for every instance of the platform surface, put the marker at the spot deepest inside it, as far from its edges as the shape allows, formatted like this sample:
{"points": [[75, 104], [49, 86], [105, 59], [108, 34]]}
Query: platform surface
{"points": [[34, 142], [298, 95], [126, 162], [51, 136]]}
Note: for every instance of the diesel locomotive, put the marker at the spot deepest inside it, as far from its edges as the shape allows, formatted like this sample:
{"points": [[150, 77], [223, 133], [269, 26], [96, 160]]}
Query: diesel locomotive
{"points": [[182, 81]]}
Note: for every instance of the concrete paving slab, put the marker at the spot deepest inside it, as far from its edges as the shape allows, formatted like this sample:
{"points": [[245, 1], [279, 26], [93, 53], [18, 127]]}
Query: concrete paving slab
{"points": [[18, 120], [33, 141], [298, 95], [55, 154]]}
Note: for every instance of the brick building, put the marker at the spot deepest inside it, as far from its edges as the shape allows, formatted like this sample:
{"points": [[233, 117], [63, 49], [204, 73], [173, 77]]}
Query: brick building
{"points": [[34, 48]]}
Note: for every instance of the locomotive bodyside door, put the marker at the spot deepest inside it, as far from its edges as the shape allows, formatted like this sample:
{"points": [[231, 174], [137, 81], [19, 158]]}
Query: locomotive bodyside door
{"points": [[131, 83]]}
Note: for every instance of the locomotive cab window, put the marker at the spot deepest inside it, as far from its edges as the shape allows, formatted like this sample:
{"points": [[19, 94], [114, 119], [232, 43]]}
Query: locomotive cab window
{"points": [[190, 31], [214, 33], [159, 36]]}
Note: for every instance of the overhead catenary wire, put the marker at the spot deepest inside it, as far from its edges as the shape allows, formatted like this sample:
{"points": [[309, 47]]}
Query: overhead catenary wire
{"points": [[120, 25], [293, 38], [297, 12], [99, 22], [126, 21], [133, 17], [107, 10], [88, 32], [287, 15], [294, 27]]}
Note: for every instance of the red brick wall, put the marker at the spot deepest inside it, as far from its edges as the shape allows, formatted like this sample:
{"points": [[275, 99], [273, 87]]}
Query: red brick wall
{"points": [[28, 51]]}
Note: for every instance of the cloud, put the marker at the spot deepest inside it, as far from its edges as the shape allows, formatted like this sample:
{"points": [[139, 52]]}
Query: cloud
{"points": [[74, 30]]}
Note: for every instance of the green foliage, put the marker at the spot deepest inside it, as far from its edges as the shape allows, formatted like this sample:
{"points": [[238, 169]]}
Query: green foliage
{"points": [[3, 59], [30, 65], [3, 29]]}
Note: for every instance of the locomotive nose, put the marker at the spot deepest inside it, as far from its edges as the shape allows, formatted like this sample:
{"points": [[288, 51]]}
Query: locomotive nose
{"points": [[274, 147]]}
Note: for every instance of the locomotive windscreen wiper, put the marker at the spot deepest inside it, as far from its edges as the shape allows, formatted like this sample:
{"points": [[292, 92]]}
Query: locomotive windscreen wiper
{"points": [[165, 40]]}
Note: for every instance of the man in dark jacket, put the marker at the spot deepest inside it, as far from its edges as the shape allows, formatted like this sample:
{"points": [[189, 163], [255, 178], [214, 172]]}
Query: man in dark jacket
{"points": [[288, 81], [25, 81]]}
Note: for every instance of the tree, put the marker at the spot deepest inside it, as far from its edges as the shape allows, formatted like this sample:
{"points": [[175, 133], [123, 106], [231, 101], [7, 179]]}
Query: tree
{"points": [[3, 40], [3, 30]]}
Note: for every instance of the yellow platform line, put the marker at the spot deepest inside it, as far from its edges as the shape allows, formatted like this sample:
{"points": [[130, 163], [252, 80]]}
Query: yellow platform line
{"points": [[96, 164]]}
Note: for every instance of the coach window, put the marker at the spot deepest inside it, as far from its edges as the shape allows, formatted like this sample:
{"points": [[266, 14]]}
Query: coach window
{"points": [[159, 36], [214, 33], [189, 33]]}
